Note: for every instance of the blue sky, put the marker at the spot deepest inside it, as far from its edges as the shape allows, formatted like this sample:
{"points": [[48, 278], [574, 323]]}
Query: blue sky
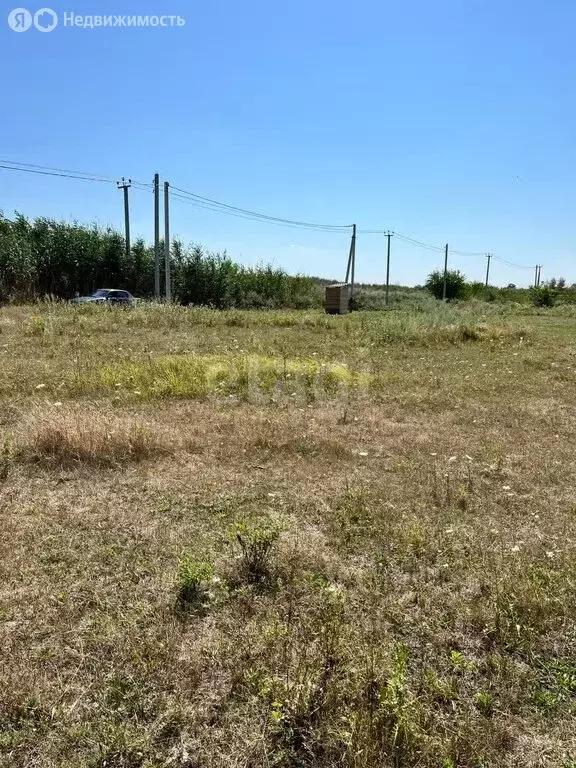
{"points": [[452, 121]]}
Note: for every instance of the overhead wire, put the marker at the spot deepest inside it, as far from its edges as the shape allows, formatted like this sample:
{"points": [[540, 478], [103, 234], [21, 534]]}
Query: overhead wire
{"points": [[47, 170], [54, 173], [262, 216], [190, 198], [511, 263], [214, 209], [419, 243]]}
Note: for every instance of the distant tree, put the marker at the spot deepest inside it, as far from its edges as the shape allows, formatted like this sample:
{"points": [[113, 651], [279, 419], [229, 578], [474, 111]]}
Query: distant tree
{"points": [[455, 284], [476, 290], [543, 296], [512, 286], [561, 284]]}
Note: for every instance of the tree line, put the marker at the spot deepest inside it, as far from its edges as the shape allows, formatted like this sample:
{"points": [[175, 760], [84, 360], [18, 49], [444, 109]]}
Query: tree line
{"points": [[458, 288], [45, 258]]}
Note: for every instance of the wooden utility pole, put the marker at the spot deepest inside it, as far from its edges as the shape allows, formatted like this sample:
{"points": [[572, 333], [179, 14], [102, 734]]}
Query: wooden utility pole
{"points": [[488, 257], [125, 185], [445, 273], [388, 235], [168, 285], [156, 236], [539, 274], [536, 276]]}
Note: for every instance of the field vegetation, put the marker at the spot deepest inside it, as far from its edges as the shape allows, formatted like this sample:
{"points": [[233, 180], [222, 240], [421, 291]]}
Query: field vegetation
{"points": [[48, 259], [280, 538]]}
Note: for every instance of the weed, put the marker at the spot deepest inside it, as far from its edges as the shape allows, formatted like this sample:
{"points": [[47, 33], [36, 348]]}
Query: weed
{"points": [[556, 686], [195, 578], [397, 713], [483, 702], [36, 326], [6, 459], [460, 663], [257, 538]]}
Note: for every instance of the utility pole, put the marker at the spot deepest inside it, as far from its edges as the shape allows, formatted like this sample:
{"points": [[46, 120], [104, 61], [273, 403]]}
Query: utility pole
{"points": [[537, 275], [353, 255], [445, 273], [488, 257], [388, 235], [349, 261], [156, 236], [168, 287], [125, 185]]}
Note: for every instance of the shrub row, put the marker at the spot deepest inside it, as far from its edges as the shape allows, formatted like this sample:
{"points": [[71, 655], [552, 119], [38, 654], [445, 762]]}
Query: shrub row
{"points": [[45, 257]]}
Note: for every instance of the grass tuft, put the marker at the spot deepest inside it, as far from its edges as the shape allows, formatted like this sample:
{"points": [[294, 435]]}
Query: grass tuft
{"points": [[67, 437], [257, 539], [195, 577]]}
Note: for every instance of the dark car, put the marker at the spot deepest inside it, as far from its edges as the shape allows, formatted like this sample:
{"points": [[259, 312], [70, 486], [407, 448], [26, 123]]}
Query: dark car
{"points": [[105, 296]]}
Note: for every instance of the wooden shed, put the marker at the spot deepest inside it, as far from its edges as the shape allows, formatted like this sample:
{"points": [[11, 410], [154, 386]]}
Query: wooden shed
{"points": [[337, 299]]}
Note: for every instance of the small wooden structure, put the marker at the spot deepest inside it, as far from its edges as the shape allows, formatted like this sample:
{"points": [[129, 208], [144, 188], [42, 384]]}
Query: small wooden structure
{"points": [[337, 299]]}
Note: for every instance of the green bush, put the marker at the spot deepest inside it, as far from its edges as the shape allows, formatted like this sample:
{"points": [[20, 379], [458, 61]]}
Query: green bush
{"points": [[544, 296], [455, 285]]}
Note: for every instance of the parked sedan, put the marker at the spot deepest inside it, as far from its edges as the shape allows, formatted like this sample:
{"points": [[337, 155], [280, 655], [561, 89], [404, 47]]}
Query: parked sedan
{"points": [[105, 296]]}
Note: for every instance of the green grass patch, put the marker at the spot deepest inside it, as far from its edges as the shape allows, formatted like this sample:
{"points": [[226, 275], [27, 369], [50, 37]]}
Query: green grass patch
{"points": [[196, 376]]}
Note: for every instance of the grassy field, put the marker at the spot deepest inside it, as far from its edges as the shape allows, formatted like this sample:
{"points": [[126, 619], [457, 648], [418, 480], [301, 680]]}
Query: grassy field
{"points": [[243, 539]]}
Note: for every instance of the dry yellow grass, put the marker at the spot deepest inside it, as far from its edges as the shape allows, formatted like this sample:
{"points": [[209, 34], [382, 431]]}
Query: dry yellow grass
{"points": [[64, 436], [418, 608]]}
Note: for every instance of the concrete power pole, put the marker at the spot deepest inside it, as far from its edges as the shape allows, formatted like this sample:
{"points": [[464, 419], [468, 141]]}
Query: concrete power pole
{"points": [[168, 283], [388, 235], [537, 275], [445, 273], [353, 268], [488, 256], [156, 236], [350, 269], [125, 185]]}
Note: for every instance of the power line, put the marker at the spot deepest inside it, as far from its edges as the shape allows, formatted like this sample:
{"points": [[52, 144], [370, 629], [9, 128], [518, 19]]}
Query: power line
{"points": [[53, 173], [426, 246], [61, 170], [215, 206], [47, 170], [419, 243], [262, 216], [430, 247], [468, 253], [511, 263], [214, 209], [185, 196]]}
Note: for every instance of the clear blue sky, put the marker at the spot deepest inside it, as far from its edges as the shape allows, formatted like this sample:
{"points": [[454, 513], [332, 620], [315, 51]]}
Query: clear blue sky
{"points": [[449, 121]]}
